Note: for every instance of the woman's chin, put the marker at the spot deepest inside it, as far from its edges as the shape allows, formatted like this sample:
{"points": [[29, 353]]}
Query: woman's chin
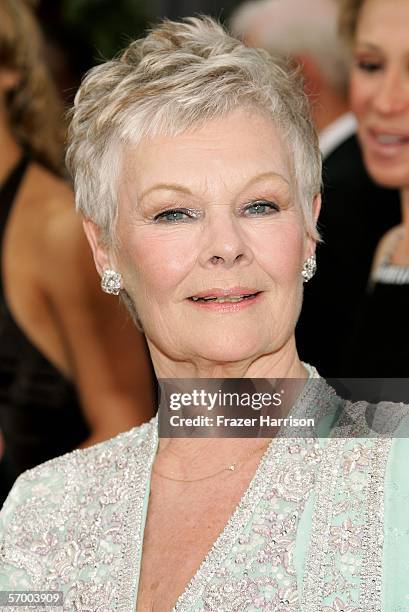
{"points": [[387, 173], [223, 352]]}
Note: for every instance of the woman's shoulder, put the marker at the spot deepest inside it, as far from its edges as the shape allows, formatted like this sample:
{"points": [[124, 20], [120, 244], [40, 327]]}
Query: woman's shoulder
{"points": [[72, 474], [365, 421], [86, 460], [53, 234], [338, 413], [45, 207], [46, 189], [67, 506]]}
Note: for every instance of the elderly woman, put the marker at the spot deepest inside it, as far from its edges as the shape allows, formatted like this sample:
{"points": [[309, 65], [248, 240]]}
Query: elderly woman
{"points": [[198, 173]]}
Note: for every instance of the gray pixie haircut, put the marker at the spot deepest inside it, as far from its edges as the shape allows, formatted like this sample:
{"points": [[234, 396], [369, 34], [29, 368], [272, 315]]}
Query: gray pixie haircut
{"points": [[291, 27], [179, 76]]}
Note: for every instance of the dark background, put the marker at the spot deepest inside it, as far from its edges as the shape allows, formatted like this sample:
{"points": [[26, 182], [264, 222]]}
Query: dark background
{"points": [[81, 33]]}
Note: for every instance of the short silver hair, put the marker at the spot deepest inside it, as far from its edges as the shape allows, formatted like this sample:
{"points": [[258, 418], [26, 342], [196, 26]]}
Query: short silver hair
{"points": [[291, 27], [182, 74]]}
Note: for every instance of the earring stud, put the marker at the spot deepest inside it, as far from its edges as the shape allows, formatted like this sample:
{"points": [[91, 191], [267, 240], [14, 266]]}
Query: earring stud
{"points": [[309, 268], [111, 282]]}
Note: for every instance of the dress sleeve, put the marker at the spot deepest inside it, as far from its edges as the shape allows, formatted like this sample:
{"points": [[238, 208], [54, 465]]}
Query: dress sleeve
{"points": [[13, 574], [396, 529], [31, 523]]}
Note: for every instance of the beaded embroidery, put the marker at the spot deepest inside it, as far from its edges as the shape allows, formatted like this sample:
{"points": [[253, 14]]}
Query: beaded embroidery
{"points": [[344, 565], [76, 524]]}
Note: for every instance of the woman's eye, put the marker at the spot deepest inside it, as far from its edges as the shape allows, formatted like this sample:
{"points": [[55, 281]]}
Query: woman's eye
{"points": [[368, 66], [260, 207], [172, 216]]}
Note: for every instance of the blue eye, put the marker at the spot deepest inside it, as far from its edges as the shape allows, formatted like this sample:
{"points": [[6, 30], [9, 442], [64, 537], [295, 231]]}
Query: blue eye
{"points": [[260, 207], [174, 216]]}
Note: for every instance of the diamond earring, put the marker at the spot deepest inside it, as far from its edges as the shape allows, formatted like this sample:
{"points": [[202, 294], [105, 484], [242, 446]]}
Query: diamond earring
{"points": [[309, 268], [111, 282]]}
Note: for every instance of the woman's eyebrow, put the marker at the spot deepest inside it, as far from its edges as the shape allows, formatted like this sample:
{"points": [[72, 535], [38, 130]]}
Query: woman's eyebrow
{"points": [[264, 176], [367, 46], [165, 187], [187, 191]]}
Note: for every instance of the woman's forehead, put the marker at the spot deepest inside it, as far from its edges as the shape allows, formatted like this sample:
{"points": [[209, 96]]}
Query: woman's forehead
{"points": [[236, 148], [384, 21]]}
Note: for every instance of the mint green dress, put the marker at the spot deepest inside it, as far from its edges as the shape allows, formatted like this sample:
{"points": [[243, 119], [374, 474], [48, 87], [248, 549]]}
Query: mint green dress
{"points": [[323, 525]]}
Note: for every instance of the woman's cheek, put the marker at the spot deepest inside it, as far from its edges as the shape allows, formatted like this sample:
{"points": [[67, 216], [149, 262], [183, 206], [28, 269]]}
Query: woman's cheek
{"points": [[359, 96], [281, 252], [162, 260]]}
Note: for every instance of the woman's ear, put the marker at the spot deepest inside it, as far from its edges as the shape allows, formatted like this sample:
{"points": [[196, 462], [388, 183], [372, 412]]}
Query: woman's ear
{"points": [[316, 208], [99, 250]]}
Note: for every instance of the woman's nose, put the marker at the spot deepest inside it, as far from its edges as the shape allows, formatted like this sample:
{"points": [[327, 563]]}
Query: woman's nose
{"points": [[224, 243], [392, 96]]}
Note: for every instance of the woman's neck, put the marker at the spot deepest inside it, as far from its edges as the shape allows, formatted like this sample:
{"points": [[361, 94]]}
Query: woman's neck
{"points": [[404, 195], [283, 363], [400, 256]]}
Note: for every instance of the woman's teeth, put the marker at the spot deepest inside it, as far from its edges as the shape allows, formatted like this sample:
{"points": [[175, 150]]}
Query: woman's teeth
{"points": [[221, 300], [390, 139]]}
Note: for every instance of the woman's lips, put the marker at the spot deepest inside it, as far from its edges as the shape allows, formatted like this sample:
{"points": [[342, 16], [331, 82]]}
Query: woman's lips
{"points": [[225, 300], [387, 144], [238, 290]]}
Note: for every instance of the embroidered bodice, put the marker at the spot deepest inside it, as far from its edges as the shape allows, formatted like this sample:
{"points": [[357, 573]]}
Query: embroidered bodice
{"points": [[307, 534]]}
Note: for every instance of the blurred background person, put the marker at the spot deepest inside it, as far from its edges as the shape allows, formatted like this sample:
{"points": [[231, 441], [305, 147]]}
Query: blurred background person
{"points": [[378, 32], [67, 353], [355, 211]]}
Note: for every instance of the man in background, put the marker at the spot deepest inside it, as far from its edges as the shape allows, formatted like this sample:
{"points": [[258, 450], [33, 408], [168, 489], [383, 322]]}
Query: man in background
{"points": [[355, 212]]}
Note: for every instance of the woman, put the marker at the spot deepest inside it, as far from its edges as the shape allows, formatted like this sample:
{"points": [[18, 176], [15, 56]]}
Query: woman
{"points": [[62, 344], [197, 171], [377, 30]]}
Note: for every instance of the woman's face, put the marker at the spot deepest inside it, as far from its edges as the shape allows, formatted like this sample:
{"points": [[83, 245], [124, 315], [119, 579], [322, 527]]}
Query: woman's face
{"points": [[211, 240], [380, 89]]}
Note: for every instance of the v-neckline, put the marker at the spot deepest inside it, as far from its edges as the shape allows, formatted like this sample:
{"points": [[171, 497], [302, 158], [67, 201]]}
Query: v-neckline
{"points": [[137, 514], [231, 531]]}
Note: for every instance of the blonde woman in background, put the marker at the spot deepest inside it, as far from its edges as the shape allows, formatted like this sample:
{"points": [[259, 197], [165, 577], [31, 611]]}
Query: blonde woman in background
{"points": [[352, 204], [67, 353], [378, 34]]}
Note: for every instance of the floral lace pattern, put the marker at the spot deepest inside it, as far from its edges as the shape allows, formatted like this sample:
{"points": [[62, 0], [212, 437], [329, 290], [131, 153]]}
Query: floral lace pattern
{"points": [[76, 524], [251, 566], [65, 523], [344, 566]]}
